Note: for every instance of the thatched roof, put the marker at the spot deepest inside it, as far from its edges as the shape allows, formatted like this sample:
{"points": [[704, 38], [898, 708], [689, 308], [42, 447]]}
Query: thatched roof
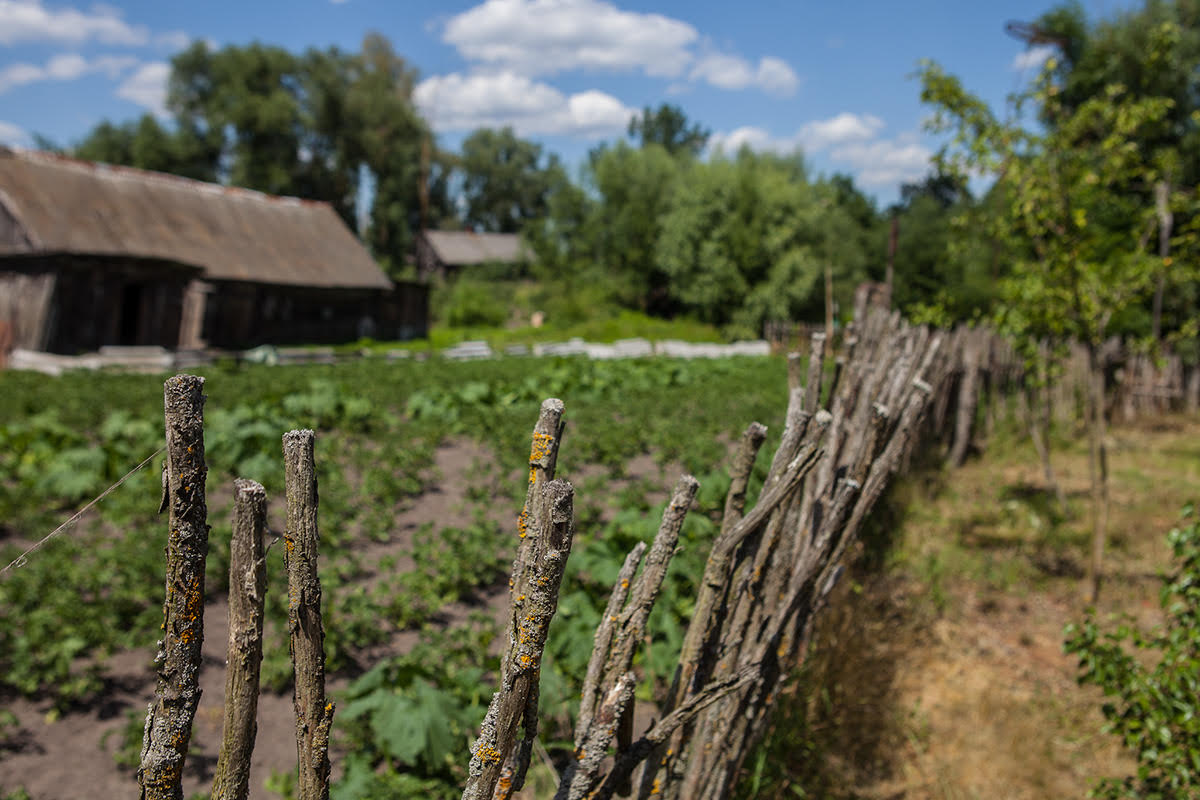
{"points": [[60, 205], [462, 248]]}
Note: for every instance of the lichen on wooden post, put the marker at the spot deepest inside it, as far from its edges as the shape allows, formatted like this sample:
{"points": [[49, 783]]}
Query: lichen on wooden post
{"points": [[314, 714], [514, 703], [168, 728], [543, 461], [247, 591]]}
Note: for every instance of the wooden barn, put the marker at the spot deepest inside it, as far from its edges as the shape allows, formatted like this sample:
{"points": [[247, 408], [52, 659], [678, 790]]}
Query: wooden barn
{"points": [[94, 255], [445, 253]]}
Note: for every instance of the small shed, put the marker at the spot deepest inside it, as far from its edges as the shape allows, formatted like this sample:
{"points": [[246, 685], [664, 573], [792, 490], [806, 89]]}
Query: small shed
{"points": [[445, 253], [94, 255]]}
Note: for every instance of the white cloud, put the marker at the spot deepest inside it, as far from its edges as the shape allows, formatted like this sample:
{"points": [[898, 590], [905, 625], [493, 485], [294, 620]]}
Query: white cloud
{"points": [[510, 42], [734, 72], [148, 87], [30, 21], [850, 142], [885, 163], [845, 127], [542, 37], [755, 138], [63, 67], [466, 102], [172, 40], [1032, 58], [775, 76], [12, 135], [723, 71]]}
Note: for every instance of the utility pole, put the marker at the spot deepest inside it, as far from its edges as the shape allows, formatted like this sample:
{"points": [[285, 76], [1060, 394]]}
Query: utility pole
{"points": [[893, 238], [1162, 195], [423, 185]]}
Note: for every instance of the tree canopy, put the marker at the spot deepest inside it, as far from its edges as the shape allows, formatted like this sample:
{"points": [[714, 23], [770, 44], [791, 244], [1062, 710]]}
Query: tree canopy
{"points": [[668, 126]]}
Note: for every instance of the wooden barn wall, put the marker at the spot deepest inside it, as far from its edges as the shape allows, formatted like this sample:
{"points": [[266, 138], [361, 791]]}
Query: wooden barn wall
{"points": [[25, 306], [240, 314], [428, 263], [92, 302]]}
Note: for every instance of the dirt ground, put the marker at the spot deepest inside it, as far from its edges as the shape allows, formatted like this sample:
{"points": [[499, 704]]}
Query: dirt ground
{"points": [[943, 675]]}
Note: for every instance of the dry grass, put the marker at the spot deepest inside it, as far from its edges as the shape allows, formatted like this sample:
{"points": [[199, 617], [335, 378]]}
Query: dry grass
{"points": [[939, 672]]}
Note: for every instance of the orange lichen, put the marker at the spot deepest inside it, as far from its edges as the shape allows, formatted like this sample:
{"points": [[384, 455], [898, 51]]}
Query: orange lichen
{"points": [[542, 442], [488, 754]]}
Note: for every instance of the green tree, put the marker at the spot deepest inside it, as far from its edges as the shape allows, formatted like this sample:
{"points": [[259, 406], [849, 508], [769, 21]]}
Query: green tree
{"points": [[1080, 259], [148, 144], [1151, 678], [245, 96], [387, 137], [505, 180], [668, 126], [749, 239], [1154, 51], [313, 126], [632, 189], [946, 267]]}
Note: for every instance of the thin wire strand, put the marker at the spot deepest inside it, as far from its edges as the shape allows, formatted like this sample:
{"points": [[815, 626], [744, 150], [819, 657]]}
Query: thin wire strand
{"points": [[20, 560]]}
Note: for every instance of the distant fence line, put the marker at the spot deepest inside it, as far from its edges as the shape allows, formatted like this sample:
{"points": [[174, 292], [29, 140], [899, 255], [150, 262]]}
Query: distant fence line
{"points": [[158, 359]]}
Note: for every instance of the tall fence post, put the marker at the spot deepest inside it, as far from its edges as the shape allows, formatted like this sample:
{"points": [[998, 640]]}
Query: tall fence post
{"points": [[314, 714], [247, 591], [169, 719]]}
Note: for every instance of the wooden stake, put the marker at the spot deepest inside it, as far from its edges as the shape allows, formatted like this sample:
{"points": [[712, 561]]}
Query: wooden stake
{"points": [[314, 715], [168, 727], [247, 591]]}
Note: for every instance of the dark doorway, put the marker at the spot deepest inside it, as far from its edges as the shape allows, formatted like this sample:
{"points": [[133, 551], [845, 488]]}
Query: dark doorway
{"points": [[131, 313]]}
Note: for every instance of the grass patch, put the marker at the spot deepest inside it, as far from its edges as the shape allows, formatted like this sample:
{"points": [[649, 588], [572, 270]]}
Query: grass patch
{"points": [[956, 644]]}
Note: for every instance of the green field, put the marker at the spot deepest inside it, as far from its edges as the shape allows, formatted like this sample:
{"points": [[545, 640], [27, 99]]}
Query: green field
{"points": [[97, 588]]}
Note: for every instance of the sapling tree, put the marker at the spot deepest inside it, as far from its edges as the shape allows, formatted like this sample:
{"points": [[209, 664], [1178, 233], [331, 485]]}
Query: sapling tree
{"points": [[1149, 678], [1077, 194]]}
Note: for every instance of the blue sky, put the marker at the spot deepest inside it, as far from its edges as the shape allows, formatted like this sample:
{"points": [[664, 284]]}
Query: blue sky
{"points": [[829, 77]]}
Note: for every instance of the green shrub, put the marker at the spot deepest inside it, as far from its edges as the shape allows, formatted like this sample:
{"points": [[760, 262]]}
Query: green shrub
{"points": [[467, 302], [1153, 680]]}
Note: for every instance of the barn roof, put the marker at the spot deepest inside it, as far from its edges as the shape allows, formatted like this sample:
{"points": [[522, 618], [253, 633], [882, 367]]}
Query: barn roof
{"points": [[461, 248], [61, 205]]}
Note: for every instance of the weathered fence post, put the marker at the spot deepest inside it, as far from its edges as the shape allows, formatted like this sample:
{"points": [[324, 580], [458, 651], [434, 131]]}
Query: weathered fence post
{"points": [[515, 702], [247, 591], [606, 710], [169, 719], [314, 714]]}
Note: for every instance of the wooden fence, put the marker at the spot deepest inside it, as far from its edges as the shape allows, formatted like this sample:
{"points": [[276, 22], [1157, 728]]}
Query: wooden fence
{"points": [[853, 420]]}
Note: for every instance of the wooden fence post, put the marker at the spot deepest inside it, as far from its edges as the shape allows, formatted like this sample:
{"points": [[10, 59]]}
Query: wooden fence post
{"points": [[169, 719], [515, 700], [314, 714], [247, 591]]}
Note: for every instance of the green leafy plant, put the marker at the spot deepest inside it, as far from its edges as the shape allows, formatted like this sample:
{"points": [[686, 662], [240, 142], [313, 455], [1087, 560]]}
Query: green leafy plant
{"points": [[407, 722], [1153, 681]]}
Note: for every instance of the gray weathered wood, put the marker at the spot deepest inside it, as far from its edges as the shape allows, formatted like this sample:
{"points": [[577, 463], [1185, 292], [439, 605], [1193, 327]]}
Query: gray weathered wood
{"points": [[510, 705], [314, 714], [247, 592], [168, 728]]}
